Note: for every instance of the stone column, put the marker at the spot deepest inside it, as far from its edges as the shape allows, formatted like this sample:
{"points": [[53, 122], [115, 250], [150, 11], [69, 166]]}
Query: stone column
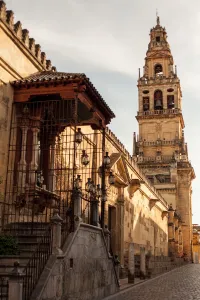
{"points": [[52, 176], [131, 264], [120, 230], [35, 152], [15, 283], [56, 223], [142, 263], [77, 201], [117, 265], [22, 162], [95, 212], [107, 237]]}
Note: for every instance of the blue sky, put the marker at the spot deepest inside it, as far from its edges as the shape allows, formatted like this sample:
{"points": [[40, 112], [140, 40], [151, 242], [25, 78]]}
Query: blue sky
{"points": [[108, 41]]}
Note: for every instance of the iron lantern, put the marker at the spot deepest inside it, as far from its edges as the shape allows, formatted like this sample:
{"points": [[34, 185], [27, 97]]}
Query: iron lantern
{"points": [[98, 191], [78, 136], [77, 182], [111, 179], [84, 158], [106, 160], [87, 185]]}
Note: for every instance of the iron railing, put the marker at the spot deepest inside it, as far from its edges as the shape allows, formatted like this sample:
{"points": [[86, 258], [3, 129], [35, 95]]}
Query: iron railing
{"points": [[3, 288], [44, 160], [36, 264]]}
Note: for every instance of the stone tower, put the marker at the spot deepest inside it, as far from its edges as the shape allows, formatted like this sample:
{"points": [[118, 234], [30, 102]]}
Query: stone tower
{"points": [[160, 148]]}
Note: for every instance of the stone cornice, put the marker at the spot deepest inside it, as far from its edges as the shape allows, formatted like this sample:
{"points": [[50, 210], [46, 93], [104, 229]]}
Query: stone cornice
{"points": [[165, 114]]}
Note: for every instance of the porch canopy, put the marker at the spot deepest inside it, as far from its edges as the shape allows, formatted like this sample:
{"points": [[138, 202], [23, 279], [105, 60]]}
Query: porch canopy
{"points": [[89, 105]]}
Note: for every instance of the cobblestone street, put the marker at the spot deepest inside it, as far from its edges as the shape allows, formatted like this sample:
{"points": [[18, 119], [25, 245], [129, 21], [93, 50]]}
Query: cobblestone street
{"points": [[180, 284]]}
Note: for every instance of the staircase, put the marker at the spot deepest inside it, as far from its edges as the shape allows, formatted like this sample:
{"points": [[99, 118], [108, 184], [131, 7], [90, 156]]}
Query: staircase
{"points": [[34, 243]]}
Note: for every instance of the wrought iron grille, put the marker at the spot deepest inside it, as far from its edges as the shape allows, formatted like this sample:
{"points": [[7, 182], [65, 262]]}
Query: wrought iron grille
{"points": [[36, 264], [45, 159], [3, 288]]}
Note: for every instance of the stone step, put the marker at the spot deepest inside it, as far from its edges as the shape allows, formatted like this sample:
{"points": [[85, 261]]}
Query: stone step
{"points": [[11, 259]]}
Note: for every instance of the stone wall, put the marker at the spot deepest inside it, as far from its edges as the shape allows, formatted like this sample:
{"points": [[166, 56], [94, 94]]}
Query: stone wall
{"points": [[85, 271]]}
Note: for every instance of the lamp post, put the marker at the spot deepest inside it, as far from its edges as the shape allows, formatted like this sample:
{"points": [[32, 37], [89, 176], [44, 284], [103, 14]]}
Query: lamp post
{"points": [[95, 192]]}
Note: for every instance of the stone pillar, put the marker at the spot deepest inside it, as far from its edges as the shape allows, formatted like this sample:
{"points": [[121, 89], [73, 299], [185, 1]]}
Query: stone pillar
{"points": [[56, 223], [117, 265], [171, 231], [95, 212], [15, 283], [22, 162], [107, 237], [77, 201], [52, 179], [34, 162], [142, 263], [120, 230], [131, 264]]}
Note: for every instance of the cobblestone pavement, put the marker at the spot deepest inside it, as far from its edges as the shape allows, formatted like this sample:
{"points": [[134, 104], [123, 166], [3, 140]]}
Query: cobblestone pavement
{"points": [[180, 284]]}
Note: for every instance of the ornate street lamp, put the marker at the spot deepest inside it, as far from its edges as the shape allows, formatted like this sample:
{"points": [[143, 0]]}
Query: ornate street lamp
{"points": [[77, 182], [106, 160], [98, 191], [111, 179], [78, 136], [87, 185], [84, 158]]}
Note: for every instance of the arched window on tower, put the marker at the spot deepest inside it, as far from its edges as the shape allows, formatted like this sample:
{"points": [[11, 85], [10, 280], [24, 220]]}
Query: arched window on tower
{"points": [[145, 103], [158, 100], [170, 101], [158, 69]]}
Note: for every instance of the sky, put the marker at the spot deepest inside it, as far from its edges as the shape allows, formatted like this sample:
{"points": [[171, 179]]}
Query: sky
{"points": [[108, 41]]}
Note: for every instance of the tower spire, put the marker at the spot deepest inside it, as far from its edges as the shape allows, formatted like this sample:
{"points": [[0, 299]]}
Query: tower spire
{"points": [[157, 18]]}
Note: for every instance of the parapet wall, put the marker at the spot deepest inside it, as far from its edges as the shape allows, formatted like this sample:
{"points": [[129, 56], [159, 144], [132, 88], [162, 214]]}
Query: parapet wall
{"points": [[22, 35]]}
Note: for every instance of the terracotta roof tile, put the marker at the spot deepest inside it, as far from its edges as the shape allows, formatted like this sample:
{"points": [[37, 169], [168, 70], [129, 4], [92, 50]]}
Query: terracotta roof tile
{"points": [[59, 76]]}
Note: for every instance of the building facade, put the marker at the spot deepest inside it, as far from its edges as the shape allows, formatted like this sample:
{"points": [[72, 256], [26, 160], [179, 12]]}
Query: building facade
{"points": [[57, 155], [161, 150]]}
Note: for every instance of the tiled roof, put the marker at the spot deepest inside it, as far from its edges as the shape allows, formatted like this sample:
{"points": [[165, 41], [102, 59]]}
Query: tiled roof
{"points": [[49, 75], [52, 76]]}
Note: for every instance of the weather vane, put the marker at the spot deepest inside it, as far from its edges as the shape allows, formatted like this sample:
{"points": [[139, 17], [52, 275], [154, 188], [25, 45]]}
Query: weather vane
{"points": [[157, 17]]}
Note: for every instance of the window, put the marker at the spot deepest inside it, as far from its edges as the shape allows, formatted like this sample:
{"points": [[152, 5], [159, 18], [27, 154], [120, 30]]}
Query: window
{"points": [[158, 100], [158, 68], [145, 103], [158, 39], [170, 101], [145, 92]]}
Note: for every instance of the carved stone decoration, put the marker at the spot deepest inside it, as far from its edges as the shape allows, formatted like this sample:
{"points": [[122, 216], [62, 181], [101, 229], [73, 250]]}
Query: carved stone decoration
{"points": [[164, 214], [32, 45], [10, 18], [134, 186], [43, 58], [48, 65], [18, 29], [2, 10], [152, 203], [38, 51], [25, 37]]}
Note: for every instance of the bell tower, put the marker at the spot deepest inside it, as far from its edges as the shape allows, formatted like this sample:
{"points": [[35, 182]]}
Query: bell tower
{"points": [[160, 147]]}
